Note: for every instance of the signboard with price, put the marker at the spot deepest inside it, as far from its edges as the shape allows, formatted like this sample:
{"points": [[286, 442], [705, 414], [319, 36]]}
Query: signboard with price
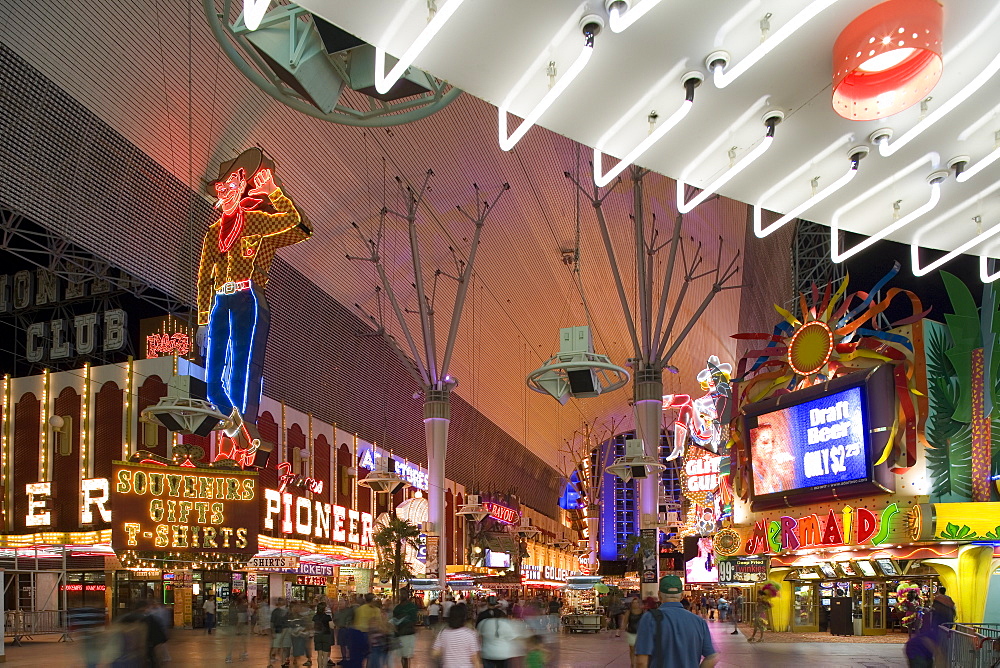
{"points": [[821, 442], [743, 570], [814, 444]]}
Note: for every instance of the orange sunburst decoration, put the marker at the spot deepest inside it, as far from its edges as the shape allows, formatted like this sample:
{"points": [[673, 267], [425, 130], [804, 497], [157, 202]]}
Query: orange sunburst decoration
{"points": [[829, 337]]}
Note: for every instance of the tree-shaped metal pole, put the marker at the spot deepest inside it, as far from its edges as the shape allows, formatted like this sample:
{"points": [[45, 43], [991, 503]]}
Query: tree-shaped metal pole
{"points": [[650, 338], [421, 353], [584, 457]]}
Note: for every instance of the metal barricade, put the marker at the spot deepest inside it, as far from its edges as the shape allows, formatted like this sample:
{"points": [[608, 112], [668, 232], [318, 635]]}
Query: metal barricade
{"points": [[972, 645], [24, 625]]}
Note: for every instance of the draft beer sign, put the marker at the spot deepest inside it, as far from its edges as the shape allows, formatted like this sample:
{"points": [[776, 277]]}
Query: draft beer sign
{"points": [[174, 508]]}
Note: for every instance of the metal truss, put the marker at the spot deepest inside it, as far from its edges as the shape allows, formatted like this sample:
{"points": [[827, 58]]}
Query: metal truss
{"points": [[47, 250], [232, 38], [811, 261]]}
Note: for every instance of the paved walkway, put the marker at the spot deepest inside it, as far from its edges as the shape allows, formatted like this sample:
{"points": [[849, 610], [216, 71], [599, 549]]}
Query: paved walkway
{"points": [[195, 649]]}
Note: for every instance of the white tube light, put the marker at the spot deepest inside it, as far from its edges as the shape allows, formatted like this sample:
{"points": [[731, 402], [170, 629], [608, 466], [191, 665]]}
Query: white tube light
{"points": [[253, 13], [619, 22], [384, 82], [967, 246], [795, 212], [604, 179], [978, 125], [979, 166], [508, 142], [723, 79], [724, 178], [932, 201], [984, 270], [886, 148], [932, 159]]}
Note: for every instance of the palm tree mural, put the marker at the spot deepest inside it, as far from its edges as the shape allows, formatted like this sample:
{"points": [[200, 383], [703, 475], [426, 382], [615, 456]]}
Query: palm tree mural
{"points": [[963, 366]]}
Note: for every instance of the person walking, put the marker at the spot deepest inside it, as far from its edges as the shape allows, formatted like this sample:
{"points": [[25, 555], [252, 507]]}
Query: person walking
{"points": [[615, 613], [404, 617], [323, 638], [87, 625], [760, 617], [672, 637], [723, 606], [238, 627], [492, 611], [632, 618], [433, 614], [281, 641], [737, 611], [457, 646], [209, 608], [500, 639], [342, 620]]}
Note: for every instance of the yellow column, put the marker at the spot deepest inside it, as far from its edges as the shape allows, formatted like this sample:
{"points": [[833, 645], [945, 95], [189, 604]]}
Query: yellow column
{"points": [[781, 605], [967, 580]]}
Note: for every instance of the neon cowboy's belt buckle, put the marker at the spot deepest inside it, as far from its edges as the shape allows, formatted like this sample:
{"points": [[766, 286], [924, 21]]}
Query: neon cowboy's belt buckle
{"points": [[232, 287]]}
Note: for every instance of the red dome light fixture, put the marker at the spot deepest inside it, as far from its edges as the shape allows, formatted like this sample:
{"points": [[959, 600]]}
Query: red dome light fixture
{"points": [[887, 59]]}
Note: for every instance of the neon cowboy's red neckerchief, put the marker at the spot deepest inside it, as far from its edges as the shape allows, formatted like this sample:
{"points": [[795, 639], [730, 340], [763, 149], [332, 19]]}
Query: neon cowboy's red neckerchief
{"points": [[232, 224]]}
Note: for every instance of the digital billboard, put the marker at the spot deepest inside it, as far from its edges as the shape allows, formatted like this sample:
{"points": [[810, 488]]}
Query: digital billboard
{"points": [[699, 560], [497, 559], [820, 443]]}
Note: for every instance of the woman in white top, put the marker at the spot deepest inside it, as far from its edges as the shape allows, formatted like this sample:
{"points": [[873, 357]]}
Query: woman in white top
{"points": [[433, 614], [457, 646]]}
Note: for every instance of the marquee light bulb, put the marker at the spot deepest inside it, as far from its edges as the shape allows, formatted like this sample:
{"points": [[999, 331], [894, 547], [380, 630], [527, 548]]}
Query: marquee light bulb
{"points": [[384, 82]]}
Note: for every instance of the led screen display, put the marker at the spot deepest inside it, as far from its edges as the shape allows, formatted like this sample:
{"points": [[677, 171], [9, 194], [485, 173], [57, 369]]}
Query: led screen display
{"points": [[497, 559], [814, 444], [866, 568], [699, 560], [827, 570], [887, 567]]}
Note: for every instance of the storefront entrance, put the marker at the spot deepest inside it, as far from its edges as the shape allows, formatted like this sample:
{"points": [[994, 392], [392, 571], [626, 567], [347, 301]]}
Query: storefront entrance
{"points": [[854, 605]]}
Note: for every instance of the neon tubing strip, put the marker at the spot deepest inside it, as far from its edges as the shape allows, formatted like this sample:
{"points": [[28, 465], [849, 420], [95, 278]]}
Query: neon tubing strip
{"points": [[932, 201], [383, 81], [848, 176], [508, 142], [726, 177], [620, 22], [886, 148], [723, 79], [983, 236], [979, 166], [253, 13], [984, 270], [643, 146]]}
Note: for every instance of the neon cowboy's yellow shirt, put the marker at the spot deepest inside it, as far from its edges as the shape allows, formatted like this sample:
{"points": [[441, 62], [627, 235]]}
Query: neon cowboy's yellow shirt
{"points": [[249, 257]]}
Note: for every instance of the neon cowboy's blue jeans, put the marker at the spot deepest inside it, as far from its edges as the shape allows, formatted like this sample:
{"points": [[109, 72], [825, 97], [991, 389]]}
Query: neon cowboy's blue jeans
{"points": [[237, 337]]}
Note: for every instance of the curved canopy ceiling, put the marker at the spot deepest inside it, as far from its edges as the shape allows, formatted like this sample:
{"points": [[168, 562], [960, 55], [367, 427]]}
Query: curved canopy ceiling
{"points": [[486, 47]]}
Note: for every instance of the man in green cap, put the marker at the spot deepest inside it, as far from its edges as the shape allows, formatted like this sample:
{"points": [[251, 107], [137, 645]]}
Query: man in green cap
{"points": [[672, 637]]}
